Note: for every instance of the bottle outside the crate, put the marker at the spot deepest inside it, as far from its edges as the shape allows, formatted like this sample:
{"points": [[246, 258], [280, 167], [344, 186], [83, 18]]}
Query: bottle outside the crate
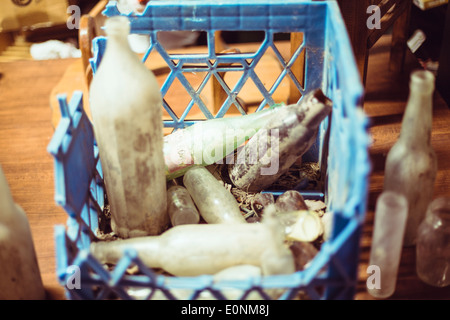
{"points": [[126, 108], [433, 244], [390, 220], [411, 163], [20, 278], [197, 249]]}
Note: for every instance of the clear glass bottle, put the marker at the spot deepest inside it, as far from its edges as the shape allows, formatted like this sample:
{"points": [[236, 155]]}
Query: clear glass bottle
{"points": [[180, 206], [20, 278], [196, 249], [212, 141], [389, 227], [126, 108], [411, 163], [433, 244], [214, 202], [279, 144]]}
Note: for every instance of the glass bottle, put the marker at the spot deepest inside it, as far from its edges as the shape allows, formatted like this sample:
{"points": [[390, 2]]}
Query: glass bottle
{"points": [[180, 206], [20, 278], [290, 200], [211, 141], [411, 163], [126, 108], [280, 143], [196, 249], [389, 227], [433, 244], [214, 202]]}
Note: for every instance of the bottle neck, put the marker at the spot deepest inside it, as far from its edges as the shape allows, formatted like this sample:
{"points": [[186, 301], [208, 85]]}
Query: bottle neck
{"points": [[417, 119], [148, 249], [117, 30]]}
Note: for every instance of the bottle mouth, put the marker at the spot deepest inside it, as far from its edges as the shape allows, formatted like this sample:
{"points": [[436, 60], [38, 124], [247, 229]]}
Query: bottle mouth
{"points": [[117, 25], [423, 80]]}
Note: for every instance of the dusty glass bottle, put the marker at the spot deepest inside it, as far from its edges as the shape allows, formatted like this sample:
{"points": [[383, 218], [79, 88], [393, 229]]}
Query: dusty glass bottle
{"points": [[196, 249], [20, 278], [211, 141], [433, 244], [280, 143], [126, 108], [180, 206], [411, 163], [389, 227], [214, 202], [290, 200]]}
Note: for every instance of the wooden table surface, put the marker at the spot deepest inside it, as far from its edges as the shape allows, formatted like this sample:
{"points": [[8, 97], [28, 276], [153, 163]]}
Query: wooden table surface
{"points": [[26, 88]]}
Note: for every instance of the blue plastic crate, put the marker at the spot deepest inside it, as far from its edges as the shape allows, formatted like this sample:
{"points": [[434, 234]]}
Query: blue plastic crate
{"points": [[341, 149]]}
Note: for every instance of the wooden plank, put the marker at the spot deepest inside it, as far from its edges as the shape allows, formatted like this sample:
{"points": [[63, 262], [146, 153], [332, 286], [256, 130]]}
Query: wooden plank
{"points": [[25, 131], [443, 76], [355, 16]]}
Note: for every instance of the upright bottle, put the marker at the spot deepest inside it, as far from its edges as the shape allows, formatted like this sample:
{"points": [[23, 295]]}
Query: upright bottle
{"points": [[433, 244], [390, 219], [20, 278], [125, 104], [411, 163]]}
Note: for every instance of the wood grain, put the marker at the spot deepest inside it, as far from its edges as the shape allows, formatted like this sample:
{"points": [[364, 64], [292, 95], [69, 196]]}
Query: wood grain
{"points": [[25, 131]]}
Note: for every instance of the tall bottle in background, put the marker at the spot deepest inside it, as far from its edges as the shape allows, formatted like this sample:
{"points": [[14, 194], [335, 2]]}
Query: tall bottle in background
{"points": [[20, 278], [126, 104], [411, 163]]}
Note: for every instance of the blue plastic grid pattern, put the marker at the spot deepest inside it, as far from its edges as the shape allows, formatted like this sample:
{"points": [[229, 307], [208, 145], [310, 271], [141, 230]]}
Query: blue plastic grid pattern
{"points": [[342, 147]]}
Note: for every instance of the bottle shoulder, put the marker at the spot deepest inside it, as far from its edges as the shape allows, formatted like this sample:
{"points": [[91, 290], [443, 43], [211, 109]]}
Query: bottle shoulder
{"points": [[402, 151], [406, 163]]}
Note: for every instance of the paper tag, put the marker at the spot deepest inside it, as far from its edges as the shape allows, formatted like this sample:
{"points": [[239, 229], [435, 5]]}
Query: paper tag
{"points": [[416, 40]]}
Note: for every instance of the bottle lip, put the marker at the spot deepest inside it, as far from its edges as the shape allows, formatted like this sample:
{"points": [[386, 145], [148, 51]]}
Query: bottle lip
{"points": [[117, 25], [423, 80]]}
